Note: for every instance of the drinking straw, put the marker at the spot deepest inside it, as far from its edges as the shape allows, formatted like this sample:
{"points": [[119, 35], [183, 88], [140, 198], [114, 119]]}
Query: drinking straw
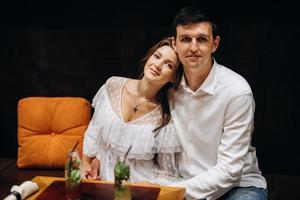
{"points": [[75, 146], [126, 154]]}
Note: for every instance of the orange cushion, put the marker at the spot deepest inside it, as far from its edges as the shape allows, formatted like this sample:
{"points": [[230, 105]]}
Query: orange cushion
{"points": [[48, 127]]}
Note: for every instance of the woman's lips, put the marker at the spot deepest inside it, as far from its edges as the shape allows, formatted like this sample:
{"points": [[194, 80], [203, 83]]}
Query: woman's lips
{"points": [[153, 71]]}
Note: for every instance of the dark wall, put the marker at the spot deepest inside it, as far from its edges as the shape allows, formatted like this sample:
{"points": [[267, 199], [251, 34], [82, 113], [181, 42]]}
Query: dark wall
{"points": [[50, 49]]}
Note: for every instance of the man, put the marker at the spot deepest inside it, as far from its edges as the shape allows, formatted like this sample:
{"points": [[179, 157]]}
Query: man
{"points": [[213, 111]]}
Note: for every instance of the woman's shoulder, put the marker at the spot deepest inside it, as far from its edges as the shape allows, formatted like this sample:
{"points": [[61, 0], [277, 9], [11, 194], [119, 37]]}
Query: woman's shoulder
{"points": [[115, 80], [106, 88]]}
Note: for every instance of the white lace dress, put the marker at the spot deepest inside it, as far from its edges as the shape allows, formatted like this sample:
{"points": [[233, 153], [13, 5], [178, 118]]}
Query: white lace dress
{"points": [[109, 137]]}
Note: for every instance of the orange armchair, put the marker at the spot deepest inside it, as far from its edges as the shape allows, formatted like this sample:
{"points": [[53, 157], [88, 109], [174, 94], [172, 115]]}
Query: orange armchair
{"points": [[48, 127]]}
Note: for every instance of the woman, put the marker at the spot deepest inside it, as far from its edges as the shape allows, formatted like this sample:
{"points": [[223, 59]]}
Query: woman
{"points": [[134, 113]]}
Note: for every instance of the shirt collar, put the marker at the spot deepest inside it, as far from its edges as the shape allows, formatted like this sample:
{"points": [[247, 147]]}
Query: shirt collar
{"points": [[208, 86]]}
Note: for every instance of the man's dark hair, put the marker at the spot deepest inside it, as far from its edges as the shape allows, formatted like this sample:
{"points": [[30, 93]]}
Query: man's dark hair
{"points": [[191, 15]]}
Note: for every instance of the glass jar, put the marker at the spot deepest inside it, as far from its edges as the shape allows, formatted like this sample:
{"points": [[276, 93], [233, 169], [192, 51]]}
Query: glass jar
{"points": [[122, 190], [72, 176]]}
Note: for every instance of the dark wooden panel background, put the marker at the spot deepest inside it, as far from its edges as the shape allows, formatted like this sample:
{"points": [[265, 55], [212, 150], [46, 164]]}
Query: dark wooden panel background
{"points": [[70, 49]]}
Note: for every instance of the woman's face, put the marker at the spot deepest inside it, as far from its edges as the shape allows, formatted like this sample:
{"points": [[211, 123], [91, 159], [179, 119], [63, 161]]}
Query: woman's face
{"points": [[161, 66]]}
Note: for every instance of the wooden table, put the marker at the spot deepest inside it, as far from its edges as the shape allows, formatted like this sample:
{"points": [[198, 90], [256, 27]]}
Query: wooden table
{"points": [[166, 192], [11, 175]]}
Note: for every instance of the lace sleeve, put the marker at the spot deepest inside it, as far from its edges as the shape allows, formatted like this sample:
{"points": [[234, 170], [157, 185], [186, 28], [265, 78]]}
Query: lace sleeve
{"points": [[167, 164], [167, 172], [91, 138]]}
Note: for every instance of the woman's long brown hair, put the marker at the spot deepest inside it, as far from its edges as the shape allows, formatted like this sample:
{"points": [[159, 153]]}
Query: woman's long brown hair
{"points": [[162, 95]]}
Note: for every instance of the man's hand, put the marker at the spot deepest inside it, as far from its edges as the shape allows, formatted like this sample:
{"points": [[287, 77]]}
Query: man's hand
{"points": [[90, 168]]}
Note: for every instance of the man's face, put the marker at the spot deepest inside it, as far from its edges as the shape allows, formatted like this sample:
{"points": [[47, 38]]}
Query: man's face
{"points": [[194, 44]]}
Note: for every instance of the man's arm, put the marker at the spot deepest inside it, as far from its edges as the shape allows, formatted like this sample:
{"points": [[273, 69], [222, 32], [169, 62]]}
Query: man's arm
{"points": [[233, 147]]}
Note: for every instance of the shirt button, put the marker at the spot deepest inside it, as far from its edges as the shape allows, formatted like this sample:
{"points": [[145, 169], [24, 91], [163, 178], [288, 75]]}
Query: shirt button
{"points": [[53, 134]]}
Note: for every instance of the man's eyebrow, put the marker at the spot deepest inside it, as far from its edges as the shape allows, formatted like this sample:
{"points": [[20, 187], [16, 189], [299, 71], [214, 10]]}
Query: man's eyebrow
{"points": [[200, 35], [203, 35], [184, 35]]}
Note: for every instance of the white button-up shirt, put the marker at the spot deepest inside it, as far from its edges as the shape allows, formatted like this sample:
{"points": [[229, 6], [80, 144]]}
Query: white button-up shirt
{"points": [[215, 125]]}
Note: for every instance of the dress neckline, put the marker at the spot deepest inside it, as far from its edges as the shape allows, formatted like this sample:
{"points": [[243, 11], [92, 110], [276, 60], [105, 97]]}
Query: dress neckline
{"points": [[120, 107]]}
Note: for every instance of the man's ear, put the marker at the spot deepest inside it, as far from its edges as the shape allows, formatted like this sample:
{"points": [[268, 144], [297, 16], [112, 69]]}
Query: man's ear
{"points": [[174, 44], [216, 43]]}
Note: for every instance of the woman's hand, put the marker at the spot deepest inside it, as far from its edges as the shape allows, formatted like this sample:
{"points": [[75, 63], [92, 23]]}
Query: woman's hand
{"points": [[90, 168]]}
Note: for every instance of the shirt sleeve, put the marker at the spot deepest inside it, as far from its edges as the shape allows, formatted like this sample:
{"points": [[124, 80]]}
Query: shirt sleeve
{"points": [[233, 147]]}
